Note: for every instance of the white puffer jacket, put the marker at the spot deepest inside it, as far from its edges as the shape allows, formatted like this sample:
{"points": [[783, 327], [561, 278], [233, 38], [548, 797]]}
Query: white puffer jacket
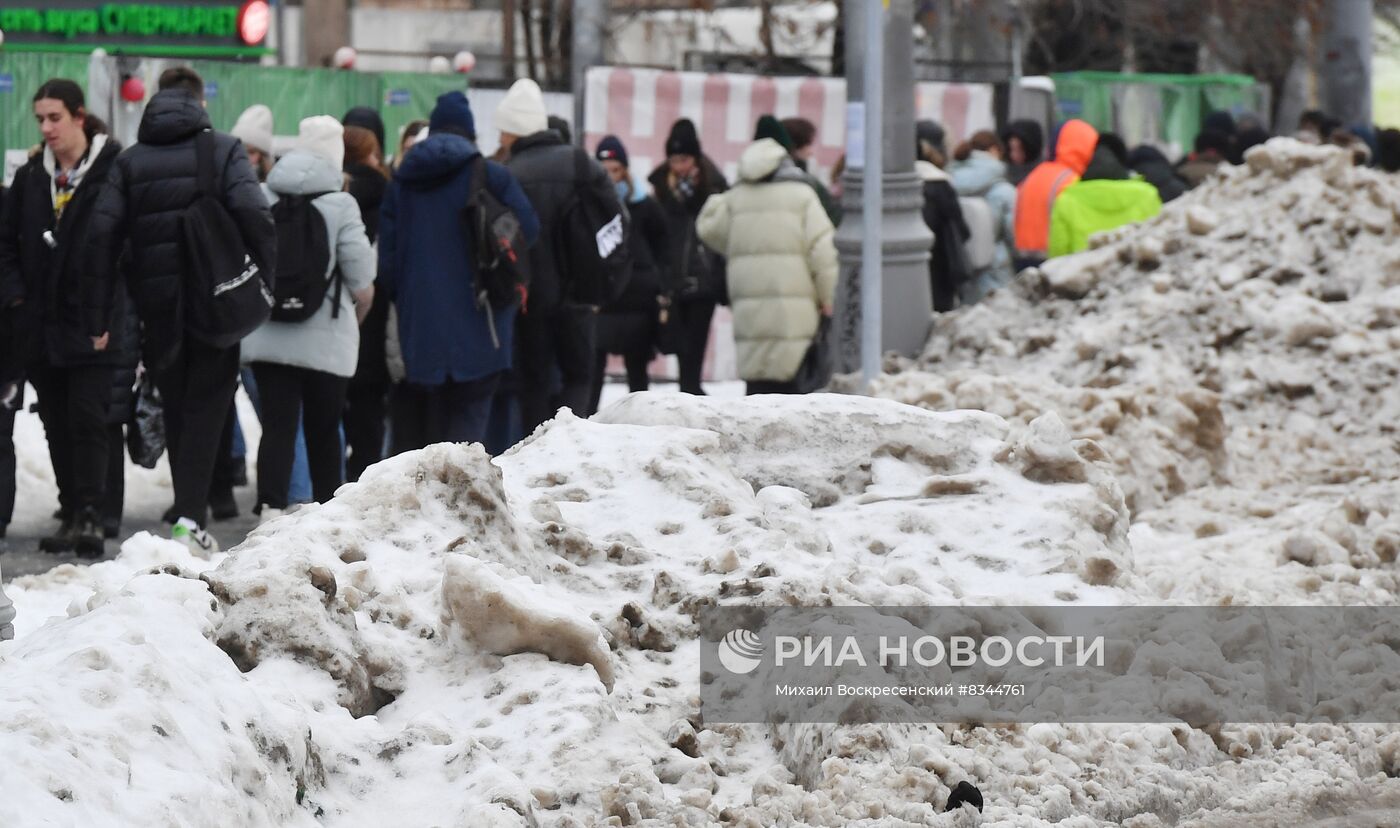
{"points": [[781, 260]]}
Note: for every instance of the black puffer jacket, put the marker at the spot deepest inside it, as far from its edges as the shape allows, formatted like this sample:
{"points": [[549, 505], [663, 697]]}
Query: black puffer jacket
{"points": [[695, 273], [368, 186], [648, 247], [151, 186], [56, 285], [545, 167]]}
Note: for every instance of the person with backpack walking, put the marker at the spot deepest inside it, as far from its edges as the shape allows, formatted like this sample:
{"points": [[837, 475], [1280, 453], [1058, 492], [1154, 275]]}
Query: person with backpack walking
{"points": [[782, 267], [47, 279], [629, 326], [453, 234], [203, 249], [580, 218], [304, 356], [682, 184]]}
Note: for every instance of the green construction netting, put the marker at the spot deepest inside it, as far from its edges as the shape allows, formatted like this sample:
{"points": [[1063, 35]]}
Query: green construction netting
{"points": [[1164, 109], [20, 76]]}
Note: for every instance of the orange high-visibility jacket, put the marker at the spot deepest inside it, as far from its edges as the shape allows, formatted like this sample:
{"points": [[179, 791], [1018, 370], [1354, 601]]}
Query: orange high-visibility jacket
{"points": [[1035, 198]]}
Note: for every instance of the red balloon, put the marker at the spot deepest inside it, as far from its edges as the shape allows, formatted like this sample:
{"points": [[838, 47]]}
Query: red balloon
{"points": [[133, 90]]}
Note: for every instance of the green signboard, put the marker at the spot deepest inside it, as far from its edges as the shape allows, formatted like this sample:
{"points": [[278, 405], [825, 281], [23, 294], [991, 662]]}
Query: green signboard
{"points": [[189, 28]]}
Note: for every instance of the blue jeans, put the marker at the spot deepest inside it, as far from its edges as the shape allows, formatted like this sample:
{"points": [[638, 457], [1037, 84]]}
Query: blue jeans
{"points": [[300, 489]]}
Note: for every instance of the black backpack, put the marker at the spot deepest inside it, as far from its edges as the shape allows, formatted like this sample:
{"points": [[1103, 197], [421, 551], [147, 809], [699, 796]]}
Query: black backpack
{"points": [[303, 256], [594, 260], [502, 270], [225, 296]]}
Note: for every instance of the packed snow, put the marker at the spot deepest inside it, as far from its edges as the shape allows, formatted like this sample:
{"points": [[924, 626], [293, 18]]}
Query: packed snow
{"points": [[1197, 411]]}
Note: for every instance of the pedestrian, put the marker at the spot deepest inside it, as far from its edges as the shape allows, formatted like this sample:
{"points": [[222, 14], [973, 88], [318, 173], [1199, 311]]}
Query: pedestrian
{"points": [[943, 215], [454, 347], [364, 117], [782, 267], [367, 400], [1105, 197], [682, 185], [770, 127], [75, 340], [1149, 162], [254, 129], [151, 185], [555, 334], [409, 137], [1035, 197], [1211, 147], [303, 362], [1025, 142], [630, 325], [979, 173]]}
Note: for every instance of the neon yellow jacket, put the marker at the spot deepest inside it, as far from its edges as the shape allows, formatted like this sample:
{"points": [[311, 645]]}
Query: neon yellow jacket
{"points": [[1088, 207]]}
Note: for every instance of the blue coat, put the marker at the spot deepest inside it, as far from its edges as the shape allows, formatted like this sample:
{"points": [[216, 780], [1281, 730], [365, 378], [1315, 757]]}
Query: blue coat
{"points": [[425, 263]]}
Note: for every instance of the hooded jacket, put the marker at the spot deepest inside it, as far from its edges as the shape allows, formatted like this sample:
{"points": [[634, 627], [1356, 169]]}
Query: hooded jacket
{"points": [[57, 285], [983, 176], [1104, 199], [781, 260], [1151, 164], [1035, 198], [426, 263], [1032, 140], [150, 187], [327, 342], [694, 272], [545, 166]]}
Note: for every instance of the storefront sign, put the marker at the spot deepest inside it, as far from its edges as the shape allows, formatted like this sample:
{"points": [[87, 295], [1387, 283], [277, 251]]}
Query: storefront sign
{"points": [[66, 25]]}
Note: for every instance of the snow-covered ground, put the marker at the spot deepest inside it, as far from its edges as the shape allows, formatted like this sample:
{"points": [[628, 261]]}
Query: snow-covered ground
{"points": [[1198, 412]]}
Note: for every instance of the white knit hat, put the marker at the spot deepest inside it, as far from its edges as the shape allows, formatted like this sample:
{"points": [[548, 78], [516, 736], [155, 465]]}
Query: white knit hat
{"points": [[324, 136], [521, 112], [254, 128]]}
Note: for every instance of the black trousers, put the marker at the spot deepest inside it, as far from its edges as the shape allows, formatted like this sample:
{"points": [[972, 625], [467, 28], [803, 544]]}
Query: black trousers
{"points": [[73, 405], [319, 399], [196, 389], [7, 467], [454, 412], [366, 409], [550, 344], [695, 319], [637, 379]]}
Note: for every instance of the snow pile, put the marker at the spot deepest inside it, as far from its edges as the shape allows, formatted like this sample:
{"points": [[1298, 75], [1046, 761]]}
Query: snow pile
{"points": [[449, 641]]}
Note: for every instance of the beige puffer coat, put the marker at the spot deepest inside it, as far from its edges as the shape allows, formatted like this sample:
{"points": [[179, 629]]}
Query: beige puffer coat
{"points": [[781, 260]]}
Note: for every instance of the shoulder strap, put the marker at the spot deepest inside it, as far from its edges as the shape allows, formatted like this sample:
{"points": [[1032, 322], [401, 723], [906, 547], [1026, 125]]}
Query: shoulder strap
{"points": [[478, 177], [204, 163]]}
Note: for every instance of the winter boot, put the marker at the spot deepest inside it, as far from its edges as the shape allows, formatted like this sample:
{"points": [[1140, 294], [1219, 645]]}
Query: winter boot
{"points": [[87, 534], [61, 541], [201, 544]]}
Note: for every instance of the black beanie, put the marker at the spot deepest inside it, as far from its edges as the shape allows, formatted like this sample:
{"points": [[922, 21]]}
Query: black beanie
{"points": [[363, 116], [683, 140]]}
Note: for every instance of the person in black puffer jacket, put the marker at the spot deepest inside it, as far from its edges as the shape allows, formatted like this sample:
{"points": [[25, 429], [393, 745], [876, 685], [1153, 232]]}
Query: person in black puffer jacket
{"points": [[681, 186], [1151, 164], [552, 333], [152, 184], [47, 281], [367, 399], [629, 325]]}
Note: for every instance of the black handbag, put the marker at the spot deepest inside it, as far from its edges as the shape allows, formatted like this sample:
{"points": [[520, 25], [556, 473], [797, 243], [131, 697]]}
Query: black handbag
{"points": [[815, 371], [145, 433]]}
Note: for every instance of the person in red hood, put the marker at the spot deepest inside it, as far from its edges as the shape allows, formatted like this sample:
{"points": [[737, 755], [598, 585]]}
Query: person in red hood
{"points": [[1035, 198]]}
